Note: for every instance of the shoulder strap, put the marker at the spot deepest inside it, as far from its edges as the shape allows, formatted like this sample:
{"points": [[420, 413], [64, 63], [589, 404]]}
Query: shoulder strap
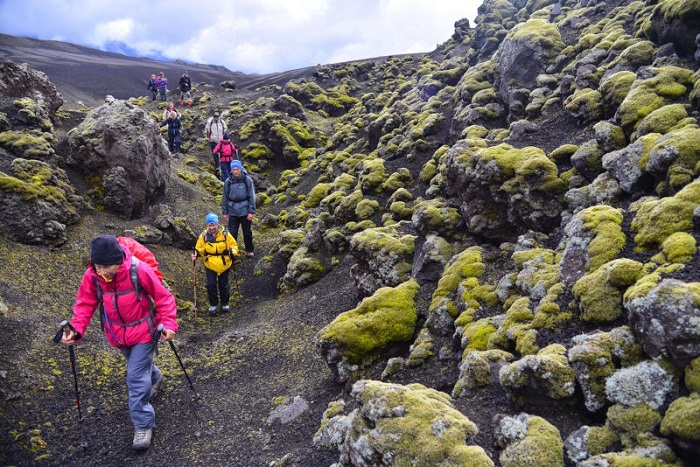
{"points": [[134, 274]]}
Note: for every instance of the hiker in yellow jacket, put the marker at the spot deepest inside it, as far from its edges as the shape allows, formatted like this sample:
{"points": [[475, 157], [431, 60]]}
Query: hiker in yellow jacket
{"points": [[219, 250]]}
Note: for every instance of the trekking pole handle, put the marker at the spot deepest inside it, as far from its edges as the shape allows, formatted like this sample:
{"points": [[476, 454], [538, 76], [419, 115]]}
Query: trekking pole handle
{"points": [[64, 324]]}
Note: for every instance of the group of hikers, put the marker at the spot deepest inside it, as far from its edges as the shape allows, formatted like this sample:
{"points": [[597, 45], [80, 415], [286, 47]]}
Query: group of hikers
{"points": [[158, 86], [135, 308]]}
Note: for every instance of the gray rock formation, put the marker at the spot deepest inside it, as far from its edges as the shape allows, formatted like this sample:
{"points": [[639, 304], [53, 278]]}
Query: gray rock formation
{"points": [[120, 147]]}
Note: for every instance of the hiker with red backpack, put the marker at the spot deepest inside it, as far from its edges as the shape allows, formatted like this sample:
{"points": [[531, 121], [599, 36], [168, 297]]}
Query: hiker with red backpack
{"points": [[219, 250], [131, 302], [227, 152]]}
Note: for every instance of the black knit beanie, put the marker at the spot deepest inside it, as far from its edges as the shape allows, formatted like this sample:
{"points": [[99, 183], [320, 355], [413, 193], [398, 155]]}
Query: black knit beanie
{"points": [[106, 251]]}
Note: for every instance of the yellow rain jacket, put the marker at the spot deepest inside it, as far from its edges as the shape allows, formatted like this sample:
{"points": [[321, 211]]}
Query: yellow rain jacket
{"points": [[215, 250]]}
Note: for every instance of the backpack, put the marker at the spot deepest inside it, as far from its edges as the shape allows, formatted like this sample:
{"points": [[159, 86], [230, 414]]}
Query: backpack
{"points": [[227, 187], [141, 252]]}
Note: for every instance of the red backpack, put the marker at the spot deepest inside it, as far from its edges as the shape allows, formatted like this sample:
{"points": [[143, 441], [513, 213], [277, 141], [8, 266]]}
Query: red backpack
{"points": [[142, 253]]}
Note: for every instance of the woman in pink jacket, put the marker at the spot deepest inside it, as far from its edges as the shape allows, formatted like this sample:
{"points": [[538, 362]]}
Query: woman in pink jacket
{"points": [[128, 322], [227, 152]]}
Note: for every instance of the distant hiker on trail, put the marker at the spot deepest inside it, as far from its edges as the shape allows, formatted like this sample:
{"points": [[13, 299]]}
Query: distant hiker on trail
{"points": [[128, 321], [174, 132], [215, 129], [162, 85], [185, 90], [227, 152], [219, 250], [171, 108], [153, 87], [238, 204]]}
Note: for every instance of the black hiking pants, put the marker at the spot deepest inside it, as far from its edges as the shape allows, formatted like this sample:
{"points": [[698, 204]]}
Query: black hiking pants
{"points": [[217, 281], [246, 226]]}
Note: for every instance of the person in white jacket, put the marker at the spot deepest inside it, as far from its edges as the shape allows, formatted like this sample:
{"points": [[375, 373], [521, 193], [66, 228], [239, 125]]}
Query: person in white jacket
{"points": [[215, 129]]}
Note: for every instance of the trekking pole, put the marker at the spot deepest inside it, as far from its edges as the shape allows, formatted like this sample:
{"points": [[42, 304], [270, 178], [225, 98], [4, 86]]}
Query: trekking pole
{"points": [[238, 289], [172, 346], [71, 353], [194, 277]]}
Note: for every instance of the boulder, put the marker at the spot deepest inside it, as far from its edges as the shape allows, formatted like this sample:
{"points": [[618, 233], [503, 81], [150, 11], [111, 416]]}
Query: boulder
{"points": [[120, 151], [37, 202], [21, 81], [664, 319], [400, 425]]}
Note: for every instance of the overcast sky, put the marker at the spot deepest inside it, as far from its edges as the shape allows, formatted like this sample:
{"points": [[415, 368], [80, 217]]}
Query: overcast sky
{"points": [[252, 36]]}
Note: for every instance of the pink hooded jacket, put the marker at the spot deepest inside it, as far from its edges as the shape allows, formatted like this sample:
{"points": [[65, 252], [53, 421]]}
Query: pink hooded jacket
{"points": [[125, 307]]}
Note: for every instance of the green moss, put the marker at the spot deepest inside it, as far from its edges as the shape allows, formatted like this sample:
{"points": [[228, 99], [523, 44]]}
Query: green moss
{"points": [[600, 293], [585, 104], [549, 368], [540, 32], [600, 439], [679, 247], [664, 120], [347, 205], [475, 369], [615, 87], [366, 208], [415, 425], [541, 445], [605, 222], [372, 175], [400, 211], [646, 95], [635, 420], [28, 145], [675, 9], [692, 375], [386, 318], [682, 419], [563, 152], [426, 124], [476, 335], [684, 144], [304, 268], [466, 264], [316, 194], [656, 220], [434, 215]]}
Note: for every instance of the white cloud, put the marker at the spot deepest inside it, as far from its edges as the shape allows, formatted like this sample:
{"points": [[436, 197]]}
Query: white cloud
{"points": [[116, 30], [253, 36]]}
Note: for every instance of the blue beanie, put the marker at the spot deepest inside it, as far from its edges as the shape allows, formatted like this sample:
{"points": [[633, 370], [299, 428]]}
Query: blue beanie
{"points": [[106, 251], [236, 164], [212, 218], [227, 136]]}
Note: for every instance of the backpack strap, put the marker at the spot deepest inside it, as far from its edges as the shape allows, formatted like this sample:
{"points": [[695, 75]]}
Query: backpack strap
{"points": [[137, 289]]}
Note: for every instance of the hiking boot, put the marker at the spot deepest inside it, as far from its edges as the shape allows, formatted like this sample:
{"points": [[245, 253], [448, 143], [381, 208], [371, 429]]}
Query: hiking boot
{"points": [[225, 309], [142, 438], [250, 253], [212, 310], [154, 388]]}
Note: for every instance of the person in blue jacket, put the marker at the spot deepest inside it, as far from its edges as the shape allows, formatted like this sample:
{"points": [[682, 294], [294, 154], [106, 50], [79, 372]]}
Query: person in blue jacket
{"points": [[238, 204], [174, 132]]}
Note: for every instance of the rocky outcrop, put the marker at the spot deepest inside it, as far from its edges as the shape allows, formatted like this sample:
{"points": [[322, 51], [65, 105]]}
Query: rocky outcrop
{"points": [[120, 151], [36, 98], [504, 191], [37, 203], [400, 425]]}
